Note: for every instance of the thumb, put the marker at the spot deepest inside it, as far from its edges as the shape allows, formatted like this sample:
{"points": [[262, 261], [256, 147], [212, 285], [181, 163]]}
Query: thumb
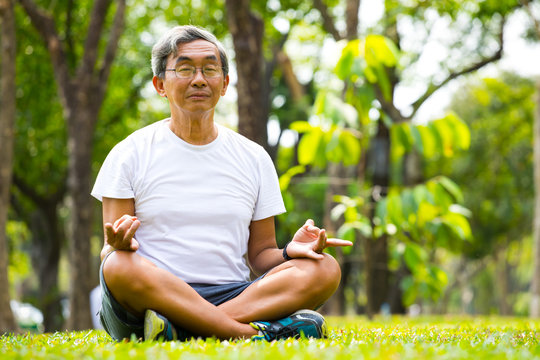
{"points": [[313, 255], [134, 244]]}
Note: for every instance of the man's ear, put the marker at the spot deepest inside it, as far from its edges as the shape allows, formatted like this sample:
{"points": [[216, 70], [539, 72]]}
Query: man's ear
{"points": [[225, 85], [158, 84]]}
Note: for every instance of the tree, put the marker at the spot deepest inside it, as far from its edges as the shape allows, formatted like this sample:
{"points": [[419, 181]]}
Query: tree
{"points": [[535, 282], [81, 93], [499, 112], [370, 84], [247, 31], [7, 121]]}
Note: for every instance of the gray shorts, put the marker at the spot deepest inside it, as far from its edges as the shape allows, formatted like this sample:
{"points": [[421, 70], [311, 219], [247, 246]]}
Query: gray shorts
{"points": [[121, 324]]}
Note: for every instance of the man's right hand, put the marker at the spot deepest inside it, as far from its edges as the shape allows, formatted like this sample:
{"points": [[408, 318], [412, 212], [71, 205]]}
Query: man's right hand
{"points": [[120, 235]]}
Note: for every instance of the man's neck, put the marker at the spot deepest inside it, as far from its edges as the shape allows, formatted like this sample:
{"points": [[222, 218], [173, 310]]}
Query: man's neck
{"points": [[196, 130]]}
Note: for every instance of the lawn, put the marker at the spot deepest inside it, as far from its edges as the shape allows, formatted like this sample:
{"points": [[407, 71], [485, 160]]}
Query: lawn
{"points": [[350, 338]]}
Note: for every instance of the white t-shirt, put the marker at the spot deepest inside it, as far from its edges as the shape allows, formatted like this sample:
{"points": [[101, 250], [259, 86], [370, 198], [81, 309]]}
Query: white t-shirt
{"points": [[195, 202]]}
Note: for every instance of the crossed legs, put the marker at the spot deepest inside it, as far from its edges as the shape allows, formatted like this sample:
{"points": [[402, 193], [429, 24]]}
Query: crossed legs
{"points": [[137, 284]]}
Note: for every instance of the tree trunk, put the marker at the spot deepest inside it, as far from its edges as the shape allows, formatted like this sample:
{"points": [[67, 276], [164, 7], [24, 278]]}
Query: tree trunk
{"points": [[535, 283], [247, 31], [81, 96], [47, 239], [502, 274], [337, 185], [81, 131], [7, 124], [376, 249]]}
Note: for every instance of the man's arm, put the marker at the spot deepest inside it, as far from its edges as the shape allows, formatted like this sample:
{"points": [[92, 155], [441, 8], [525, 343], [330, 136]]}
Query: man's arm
{"points": [[308, 242], [263, 253], [119, 225]]}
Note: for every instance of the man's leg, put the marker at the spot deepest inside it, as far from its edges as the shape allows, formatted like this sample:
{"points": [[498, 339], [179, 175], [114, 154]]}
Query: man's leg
{"points": [[137, 284], [293, 285]]}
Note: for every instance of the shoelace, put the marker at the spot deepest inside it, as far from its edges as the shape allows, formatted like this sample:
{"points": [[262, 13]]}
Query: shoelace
{"points": [[288, 331]]}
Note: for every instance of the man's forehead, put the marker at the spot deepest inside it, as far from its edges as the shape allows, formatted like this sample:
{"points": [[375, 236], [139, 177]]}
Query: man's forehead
{"points": [[199, 47]]}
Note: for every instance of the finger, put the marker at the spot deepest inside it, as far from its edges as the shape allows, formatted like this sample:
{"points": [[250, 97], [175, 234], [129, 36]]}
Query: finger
{"points": [[120, 231], [122, 219], [313, 255], [321, 241], [132, 229], [310, 227], [134, 244], [333, 242], [109, 233], [119, 221]]}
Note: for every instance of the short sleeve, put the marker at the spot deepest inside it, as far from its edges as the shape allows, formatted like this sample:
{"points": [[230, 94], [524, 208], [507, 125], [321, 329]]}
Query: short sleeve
{"points": [[115, 178], [269, 201]]}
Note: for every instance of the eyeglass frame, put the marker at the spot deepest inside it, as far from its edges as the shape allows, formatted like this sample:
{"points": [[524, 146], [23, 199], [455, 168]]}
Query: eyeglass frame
{"points": [[195, 68]]}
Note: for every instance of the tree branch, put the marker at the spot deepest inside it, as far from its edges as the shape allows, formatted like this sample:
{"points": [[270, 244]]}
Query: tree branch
{"points": [[388, 107], [112, 45], [328, 22], [46, 27], [70, 49], [95, 28], [527, 5], [35, 197], [351, 18], [453, 75]]}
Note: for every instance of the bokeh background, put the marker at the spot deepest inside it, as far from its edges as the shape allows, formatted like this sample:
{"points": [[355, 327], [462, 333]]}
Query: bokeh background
{"points": [[406, 126]]}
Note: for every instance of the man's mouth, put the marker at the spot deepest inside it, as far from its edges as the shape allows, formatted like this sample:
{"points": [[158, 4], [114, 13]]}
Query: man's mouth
{"points": [[198, 96]]}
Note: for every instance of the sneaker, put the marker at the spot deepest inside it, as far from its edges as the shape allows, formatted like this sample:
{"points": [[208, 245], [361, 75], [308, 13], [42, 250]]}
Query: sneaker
{"points": [[158, 327], [306, 323]]}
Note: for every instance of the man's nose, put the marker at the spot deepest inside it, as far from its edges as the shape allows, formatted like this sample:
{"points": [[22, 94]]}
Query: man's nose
{"points": [[198, 78]]}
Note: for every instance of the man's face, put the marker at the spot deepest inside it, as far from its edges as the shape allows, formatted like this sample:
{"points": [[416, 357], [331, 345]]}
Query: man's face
{"points": [[198, 93]]}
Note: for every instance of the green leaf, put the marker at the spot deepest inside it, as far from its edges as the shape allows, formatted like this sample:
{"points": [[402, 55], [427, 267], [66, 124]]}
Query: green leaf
{"points": [[428, 141], [410, 290], [426, 213], [333, 150], [363, 227], [309, 145], [350, 147], [458, 224], [380, 50], [462, 135], [446, 135], [301, 126], [452, 188], [417, 139], [414, 256], [350, 52], [285, 179]]}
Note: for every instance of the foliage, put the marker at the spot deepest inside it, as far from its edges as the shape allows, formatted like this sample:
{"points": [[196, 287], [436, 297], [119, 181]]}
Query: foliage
{"points": [[350, 338], [496, 173], [19, 259], [496, 180], [420, 219]]}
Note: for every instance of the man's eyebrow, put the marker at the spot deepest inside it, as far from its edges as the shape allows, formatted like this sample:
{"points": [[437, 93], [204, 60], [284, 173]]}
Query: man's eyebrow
{"points": [[187, 58]]}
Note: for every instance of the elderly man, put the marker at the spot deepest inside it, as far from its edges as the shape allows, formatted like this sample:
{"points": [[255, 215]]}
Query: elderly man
{"points": [[188, 209]]}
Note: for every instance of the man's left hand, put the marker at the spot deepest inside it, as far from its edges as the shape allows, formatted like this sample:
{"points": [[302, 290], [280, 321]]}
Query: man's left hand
{"points": [[310, 241]]}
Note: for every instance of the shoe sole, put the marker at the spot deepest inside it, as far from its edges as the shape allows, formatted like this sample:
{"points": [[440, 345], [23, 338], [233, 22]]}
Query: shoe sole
{"points": [[153, 325]]}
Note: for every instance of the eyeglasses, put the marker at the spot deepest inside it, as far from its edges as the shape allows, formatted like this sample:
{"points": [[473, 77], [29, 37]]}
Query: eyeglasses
{"points": [[188, 71]]}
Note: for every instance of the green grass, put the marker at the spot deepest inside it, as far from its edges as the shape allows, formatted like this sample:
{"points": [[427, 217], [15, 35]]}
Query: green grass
{"points": [[350, 338]]}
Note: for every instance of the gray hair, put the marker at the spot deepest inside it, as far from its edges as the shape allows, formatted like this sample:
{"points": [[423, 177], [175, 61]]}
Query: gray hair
{"points": [[168, 44]]}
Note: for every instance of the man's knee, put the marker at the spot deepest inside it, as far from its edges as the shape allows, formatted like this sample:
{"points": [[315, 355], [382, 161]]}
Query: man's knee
{"points": [[320, 276], [123, 273], [330, 272]]}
